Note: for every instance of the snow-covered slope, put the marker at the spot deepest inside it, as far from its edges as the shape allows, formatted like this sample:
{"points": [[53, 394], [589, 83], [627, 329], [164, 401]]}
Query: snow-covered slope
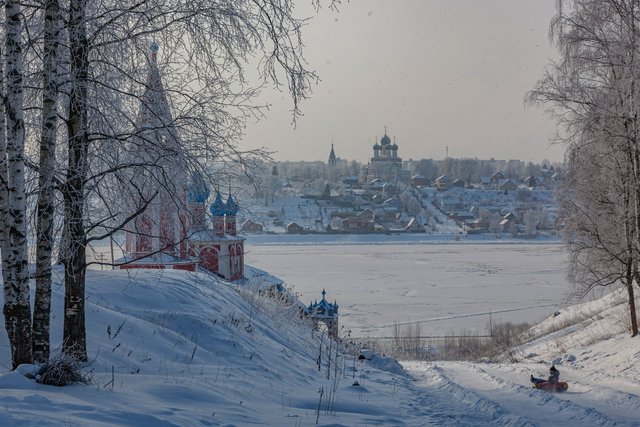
{"points": [[588, 343], [187, 349]]}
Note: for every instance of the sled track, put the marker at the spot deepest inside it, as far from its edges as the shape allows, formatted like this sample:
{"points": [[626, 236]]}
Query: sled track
{"points": [[449, 403], [497, 400], [571, 410]]}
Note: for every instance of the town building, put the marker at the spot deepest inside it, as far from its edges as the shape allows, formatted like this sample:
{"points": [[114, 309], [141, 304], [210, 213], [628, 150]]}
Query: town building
{"points": [[249, 226], [419, 180], [294, 228], [385, 163], [443, 182]]}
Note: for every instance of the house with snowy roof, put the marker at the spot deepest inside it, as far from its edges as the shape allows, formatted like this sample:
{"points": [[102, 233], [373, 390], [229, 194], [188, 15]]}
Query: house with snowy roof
{"points": [[507, 184], [380, 186], [249, 226], [509, 223], [414, 226], [358, 224], [419, 180], [486, 183], [459, 183], [443, 182], [496, 177], [392, 204], [294, 228], [531, 181]]}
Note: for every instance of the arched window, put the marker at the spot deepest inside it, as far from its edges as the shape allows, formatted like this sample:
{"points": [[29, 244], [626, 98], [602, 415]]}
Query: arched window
{"points": [[209, 258], [240, 260], [232, 262]]}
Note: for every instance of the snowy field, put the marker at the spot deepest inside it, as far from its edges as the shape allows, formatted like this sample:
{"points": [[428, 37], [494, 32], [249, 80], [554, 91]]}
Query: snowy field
{"points": [[191, 350], [446, 285]]}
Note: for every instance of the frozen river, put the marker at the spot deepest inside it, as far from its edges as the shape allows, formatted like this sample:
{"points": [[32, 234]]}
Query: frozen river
{"points": [[447, 287]]}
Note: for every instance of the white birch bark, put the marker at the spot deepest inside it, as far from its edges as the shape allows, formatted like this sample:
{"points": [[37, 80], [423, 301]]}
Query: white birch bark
{"points": [[46, 203], [16, 308]]}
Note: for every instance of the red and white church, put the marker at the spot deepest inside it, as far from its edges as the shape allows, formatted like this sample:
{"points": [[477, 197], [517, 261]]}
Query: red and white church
{"points": [[174, 230]]}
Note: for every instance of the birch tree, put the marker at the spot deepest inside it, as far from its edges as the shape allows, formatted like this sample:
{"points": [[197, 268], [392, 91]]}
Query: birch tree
{"points": [[93, 66], [46, 182], [599, 220], [592, 91], [17, 309]]}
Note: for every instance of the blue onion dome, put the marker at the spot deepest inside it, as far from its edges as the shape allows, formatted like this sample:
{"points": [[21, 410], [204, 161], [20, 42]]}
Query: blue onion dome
{"points": [[232, 205], [376, 147], [198, 192], [394, 147], [385, 140], [218, 208]]}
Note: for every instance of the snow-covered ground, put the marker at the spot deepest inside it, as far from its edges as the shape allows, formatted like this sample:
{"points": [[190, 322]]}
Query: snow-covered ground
{"points": [[188, 349], [590, 346], [448, 287]]}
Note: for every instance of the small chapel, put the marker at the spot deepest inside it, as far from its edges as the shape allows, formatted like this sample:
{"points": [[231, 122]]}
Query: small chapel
{"points": [[174, 231], [324, 312]]}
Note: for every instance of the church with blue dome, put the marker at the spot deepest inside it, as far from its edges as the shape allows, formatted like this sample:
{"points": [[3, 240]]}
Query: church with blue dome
{"points": [[179, 234], [218, 248]]}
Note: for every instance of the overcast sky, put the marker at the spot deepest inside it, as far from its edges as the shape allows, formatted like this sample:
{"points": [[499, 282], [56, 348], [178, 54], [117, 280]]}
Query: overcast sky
{"points": [[437, 73]]}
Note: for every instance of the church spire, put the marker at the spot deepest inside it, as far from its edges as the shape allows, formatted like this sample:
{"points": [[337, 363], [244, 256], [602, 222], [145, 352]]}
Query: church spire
{"points": [[332, 156], [155, 123]]}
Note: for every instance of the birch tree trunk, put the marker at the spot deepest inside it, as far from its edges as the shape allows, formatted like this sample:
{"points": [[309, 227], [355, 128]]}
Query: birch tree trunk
{"points": [[5, 220], [74, 339], [46, 207], [17, 310], [629, 230]]}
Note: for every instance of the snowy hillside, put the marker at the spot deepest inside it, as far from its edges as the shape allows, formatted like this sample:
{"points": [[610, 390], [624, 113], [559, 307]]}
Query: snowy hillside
{"points": [[188, 349], [590, 346]]}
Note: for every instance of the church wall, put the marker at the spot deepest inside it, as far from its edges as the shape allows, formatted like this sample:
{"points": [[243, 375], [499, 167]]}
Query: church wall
{"points": [[164, 226]]}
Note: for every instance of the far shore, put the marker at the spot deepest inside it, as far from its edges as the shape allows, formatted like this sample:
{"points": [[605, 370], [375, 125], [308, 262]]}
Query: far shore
{"points": [[391, 239]]}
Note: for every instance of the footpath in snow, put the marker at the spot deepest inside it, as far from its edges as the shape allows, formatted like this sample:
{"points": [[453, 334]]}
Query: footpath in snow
{"points": [[499, 394]]}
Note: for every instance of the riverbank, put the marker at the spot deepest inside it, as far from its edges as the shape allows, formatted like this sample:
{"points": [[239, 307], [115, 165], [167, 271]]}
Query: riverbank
{"points": [[392, 239]]}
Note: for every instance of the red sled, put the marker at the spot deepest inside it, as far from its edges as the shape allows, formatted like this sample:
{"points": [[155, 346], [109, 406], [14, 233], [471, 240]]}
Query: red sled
{"points": [[558, 387]]}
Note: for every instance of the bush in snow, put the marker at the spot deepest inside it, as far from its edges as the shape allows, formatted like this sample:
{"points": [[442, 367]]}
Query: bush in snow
{"points": [[61, 369]]}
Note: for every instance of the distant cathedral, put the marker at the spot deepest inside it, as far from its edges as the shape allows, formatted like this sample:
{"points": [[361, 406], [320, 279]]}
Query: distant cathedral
{"points": [[173, 232], [385, 163]]}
